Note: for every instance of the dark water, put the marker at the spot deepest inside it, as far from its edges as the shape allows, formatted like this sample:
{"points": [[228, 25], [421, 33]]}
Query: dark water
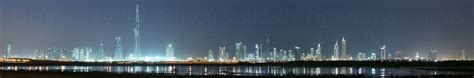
{"points": [[239, 70]]}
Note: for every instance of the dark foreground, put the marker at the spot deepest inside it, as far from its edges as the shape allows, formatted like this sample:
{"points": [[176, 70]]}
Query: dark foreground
{"points": [[57, 74], [377, 63]]}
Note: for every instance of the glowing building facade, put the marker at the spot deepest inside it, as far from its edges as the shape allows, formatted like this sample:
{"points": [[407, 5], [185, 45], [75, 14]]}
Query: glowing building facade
{"points": [[136, 30], [170, 52], [118, 55], [336, 51]]}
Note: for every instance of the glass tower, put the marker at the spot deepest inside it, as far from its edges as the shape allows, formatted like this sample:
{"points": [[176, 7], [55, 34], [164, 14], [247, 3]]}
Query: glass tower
{"points": [[118, 55], [336, 51], [136, 30], [170, 52]]}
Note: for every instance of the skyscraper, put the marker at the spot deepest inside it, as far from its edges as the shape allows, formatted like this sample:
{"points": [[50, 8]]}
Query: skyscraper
{"points": [[211, 55], [118, 55], [433, 55], [336, 51], [245, 52], [257, 52], [170, 52], [266, 53], [76, 54], [311, 54], [360, 56], [101, 53], [344, 55], [136, 30], [373, 56], [417, 56], [291, 56], [318, 53], [463, 55], [238, 50], [274, 56], [81, 53], [261, 52], [9, 49], [383, 53], [54, 53], [297, 53], [222, 56], [285, 56], [398, 55]]}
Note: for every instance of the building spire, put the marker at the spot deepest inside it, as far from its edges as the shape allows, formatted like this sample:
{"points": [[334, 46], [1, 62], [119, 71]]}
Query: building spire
{"points": [[136, 30]]}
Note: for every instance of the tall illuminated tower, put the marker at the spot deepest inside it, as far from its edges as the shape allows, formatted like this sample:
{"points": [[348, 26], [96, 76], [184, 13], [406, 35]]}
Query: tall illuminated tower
{"points": [[463, 55], [101, 53], [9, 51], [344, 55], [238, 50], [336, 51], [170, 52], [245, 52], [136, 30], [274, 56], [417, 56], [222, 56], [211, 56], [266, 53], [433, 55], [383, 53], [297, 54], [311, 54], [118, 55], [257, 53], [318, 53]]}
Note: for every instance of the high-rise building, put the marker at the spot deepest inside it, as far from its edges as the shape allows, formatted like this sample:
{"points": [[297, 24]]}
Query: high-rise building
{"points": [[245, 52], [77, 54], [223, 54], [170, 52], [319, 56], [118, 55], [257, 52], [433, 55], [311, 54], [373, 56], [398, 55], [344, 55], [280, 55], [136, 30], [238, 50], [383, 53], [360, 56], [81, 53], [417, 56], [336, 51], [101, 52], [463, 55], [291, 56], [274, 56], [297, 54], [9, 51], [266, 53], [285, 56], [54, 53], [261, 52], [211, 55]]}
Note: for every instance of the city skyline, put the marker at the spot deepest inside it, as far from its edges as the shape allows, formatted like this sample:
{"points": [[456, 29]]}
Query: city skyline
{"points": [[195, 39]]}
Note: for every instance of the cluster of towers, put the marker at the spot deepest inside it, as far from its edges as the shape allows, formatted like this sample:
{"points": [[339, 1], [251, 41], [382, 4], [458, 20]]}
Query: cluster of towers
{"points": [[339, 53]]}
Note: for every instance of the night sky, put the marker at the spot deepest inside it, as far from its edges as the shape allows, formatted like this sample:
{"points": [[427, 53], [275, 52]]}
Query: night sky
{"points": [[195, 26]]}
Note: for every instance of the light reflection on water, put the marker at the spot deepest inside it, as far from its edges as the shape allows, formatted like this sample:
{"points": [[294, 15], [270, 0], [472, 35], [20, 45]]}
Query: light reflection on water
{"points": [[235, 70]]}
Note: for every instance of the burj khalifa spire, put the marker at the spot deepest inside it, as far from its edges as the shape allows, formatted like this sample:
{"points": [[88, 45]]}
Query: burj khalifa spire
{"points": [[136, 30]]}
